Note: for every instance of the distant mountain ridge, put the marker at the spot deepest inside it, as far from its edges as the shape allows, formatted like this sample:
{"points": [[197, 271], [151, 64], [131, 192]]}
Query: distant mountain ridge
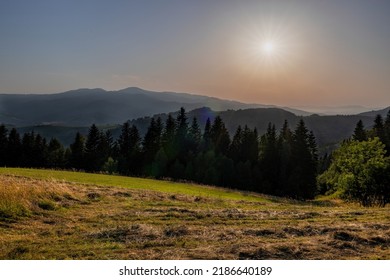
{"points": [[83, 107]]}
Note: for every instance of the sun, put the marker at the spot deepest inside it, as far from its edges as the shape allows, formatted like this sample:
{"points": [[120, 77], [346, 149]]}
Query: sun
{"points": [[268, 48]]}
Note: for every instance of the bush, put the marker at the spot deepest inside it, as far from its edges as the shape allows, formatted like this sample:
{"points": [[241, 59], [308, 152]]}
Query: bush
{"points": [[360, 171]]}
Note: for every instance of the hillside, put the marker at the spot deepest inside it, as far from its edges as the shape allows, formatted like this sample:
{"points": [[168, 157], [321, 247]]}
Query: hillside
{"points": [[67, 215], [329, 130]]}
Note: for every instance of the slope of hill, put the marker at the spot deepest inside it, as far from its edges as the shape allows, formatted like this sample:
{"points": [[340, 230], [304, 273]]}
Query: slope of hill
{"points": [[329, 130], [86, 106], [67, 215], [382, 112]]}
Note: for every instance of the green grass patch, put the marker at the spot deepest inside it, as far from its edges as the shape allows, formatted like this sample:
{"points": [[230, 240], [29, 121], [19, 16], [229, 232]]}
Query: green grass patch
{"points": [[135, 183]]}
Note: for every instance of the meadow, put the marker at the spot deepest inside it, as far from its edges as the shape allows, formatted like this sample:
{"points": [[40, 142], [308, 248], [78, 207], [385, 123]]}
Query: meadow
{"points": [[46, 214]]}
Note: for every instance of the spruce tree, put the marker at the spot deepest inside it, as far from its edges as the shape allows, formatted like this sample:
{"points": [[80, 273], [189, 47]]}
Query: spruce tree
{"points": [[14, 151], [206, 139], [129, 150], [181, 137], [379, 128], [194, 136], [284, 150], [359, 133], [55, 154], [269, 160], [151, 145], [387, 133], [302, 181], [77, 156], [219, 135], [28, 148], [3, 145], [236, 146], [92, 152], [168, 137]]}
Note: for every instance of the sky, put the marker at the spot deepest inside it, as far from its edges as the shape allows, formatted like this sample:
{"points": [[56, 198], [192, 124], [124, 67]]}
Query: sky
{"points": [[287, 53]]}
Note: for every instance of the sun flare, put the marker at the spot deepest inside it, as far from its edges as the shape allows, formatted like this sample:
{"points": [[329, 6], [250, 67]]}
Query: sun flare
{"points": [[268, 48]]}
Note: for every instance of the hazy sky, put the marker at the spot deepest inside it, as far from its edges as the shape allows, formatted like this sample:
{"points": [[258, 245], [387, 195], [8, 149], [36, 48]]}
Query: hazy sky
{"points": [[294, 53]]}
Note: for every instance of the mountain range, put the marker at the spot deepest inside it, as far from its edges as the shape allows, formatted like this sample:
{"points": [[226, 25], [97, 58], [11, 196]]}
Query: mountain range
{"points": [[86, 106]]}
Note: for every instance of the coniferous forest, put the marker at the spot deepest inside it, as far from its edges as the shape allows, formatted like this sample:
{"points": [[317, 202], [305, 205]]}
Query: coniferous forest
{"points": [[283, 162]]}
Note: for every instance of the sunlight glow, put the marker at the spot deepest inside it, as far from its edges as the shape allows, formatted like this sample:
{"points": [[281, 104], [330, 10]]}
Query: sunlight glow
{"points": [[268, 47]]}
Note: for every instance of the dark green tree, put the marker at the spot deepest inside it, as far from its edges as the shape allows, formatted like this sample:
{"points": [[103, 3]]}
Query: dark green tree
{"points": [[3, 145], [77, 156], [379, 128], [181, 137], [235, 148], [151, 145], [359, 133], [285, 141], [129, 162], [194, 136], [93, 158], [269, 161], [55, 154], [220, 138], [14, 151], [387, 133], [168, 139], [206, 139], [302, 180]]}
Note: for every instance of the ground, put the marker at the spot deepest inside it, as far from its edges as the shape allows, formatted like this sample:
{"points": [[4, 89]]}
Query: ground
{"points": [[53, 218]]}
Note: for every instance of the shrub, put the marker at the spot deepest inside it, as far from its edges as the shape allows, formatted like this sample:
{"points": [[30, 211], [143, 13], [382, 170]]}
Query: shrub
{"points": [[360, 172]]}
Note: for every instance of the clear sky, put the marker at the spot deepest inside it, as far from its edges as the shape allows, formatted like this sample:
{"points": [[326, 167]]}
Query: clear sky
{"points": [[293, 53]]}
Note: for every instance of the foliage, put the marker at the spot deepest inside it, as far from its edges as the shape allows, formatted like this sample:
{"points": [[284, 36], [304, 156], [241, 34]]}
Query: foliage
{"points": [[360, 172]]}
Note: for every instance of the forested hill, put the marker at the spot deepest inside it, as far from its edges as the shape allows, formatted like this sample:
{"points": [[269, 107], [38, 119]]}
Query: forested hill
{"points": [[329, 130]]}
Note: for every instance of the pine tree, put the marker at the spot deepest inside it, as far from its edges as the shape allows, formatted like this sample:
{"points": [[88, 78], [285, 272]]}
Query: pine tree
{"points": [[219, 136], [302, 181], [129, 161], [105, 147], [14, 152], [359, 133], [39, 151], [206, 139], [169, 143], [77, 148], [55, 154], [284, 150], [236, 146], [28, 140], [250, 145], [194, 136], [181, 137], [92, 152], [387, 133], [269, 160], [379, 128], [151, 145], [3, 145]]}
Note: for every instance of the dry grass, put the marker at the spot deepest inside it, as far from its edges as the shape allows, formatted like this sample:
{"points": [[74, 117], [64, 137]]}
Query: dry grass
{"points": [[20, 198], [97, 222]]}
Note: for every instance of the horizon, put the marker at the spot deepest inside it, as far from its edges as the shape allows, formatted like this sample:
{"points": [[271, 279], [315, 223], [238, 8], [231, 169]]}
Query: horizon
{"points": [[300, 54], [315, 109]]}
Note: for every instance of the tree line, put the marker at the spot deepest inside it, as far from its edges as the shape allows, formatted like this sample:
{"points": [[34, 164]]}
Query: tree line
{"points": [[281, 162]]}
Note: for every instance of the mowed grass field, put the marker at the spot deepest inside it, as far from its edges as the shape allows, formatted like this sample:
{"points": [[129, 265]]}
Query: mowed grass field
{"points": [[48, 214]]}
